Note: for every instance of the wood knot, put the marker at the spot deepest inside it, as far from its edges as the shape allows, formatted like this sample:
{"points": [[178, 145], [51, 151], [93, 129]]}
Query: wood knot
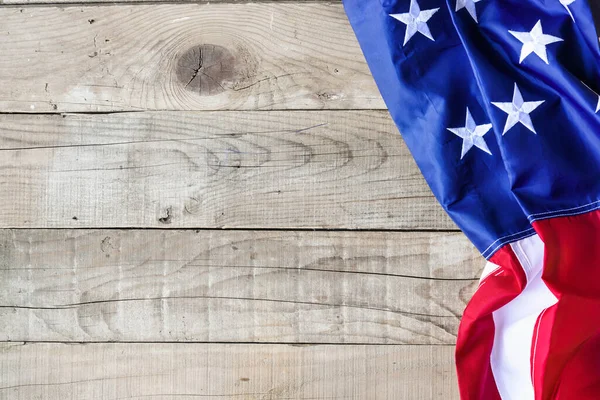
{"points": [[168, 217], [207, 69]]}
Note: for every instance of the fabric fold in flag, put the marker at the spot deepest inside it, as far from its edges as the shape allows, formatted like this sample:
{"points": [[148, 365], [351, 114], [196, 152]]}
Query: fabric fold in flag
{"points": [[498, 101]]}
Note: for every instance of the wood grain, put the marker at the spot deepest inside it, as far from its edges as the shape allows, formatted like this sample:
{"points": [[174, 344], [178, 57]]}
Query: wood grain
{"points": [[327, 169], [234, 286], [182, 57], [217, 371], [355, 310], [80, 2]]}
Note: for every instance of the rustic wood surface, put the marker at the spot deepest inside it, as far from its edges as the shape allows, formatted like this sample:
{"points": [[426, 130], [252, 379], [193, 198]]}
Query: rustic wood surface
{"points": [[342, 169], [87, 2], [234, 286], [225, 371], [210, 200], [181, 57]]}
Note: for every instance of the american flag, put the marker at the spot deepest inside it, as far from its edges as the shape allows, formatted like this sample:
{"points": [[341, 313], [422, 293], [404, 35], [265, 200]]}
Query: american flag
{"points": [[498, 101]]}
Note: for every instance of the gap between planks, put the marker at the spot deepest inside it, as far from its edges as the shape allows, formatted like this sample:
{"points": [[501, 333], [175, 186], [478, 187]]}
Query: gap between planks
{"points": [[191, 342], [258, 229]]}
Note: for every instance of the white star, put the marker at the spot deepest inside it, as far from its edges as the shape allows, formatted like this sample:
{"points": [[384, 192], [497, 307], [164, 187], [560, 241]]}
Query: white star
{"points": [[598, 106], [567, 3], [535, 42], [416, 21], [518, 111], [469, 5], [472, 135]]}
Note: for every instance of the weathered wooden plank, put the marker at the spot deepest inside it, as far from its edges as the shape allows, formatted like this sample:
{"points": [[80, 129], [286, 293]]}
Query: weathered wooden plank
{"points": [[326, 169], [182, 57], [83, 2], [216, 371], [234, 286]]}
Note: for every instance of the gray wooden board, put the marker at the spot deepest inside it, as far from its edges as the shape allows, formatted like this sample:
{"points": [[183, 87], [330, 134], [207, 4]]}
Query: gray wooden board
{"points": [[182, 57], [89, 2], [280, 169], [234, 286], [130, 371]]}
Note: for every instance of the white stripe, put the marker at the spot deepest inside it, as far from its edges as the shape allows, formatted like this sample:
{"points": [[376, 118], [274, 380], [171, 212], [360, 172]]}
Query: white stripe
{"points": [[488, 270], [496, 244], [515, 323]]}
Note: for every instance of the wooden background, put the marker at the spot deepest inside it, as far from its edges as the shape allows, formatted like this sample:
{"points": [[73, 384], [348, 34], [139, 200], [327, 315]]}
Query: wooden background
{"points": [[210, 201]]}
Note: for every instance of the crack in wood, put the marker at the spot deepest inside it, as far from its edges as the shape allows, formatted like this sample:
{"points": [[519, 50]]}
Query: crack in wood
{"points": [[87, 303]]}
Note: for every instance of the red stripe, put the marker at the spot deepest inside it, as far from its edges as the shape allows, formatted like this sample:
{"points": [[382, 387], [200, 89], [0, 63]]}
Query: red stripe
{"points": [[581, 377], [476, 331], [568, 347]]}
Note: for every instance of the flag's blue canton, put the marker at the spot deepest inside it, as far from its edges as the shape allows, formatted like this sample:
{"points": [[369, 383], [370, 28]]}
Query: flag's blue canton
{"points": [[497, 100]]}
